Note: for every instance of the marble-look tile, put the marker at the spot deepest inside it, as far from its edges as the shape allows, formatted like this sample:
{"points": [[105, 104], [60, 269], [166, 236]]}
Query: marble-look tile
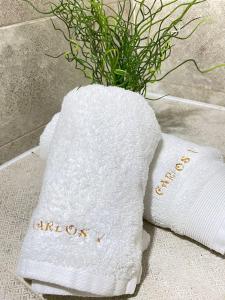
{"points": [[20, 145], [207, 47], [199, 124], [201, 93], [32, 85], [15, 11]]}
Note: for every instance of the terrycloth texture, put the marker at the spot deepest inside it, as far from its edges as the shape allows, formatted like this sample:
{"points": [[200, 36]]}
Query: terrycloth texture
{"points": [[185, 191], [46, 288], [86, 232], [173, 268], [42, 287]]}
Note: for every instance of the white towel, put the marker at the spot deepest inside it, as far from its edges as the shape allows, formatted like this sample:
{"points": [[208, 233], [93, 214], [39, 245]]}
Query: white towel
{"points": [[85, 235], [185, 190], [52, 289]]}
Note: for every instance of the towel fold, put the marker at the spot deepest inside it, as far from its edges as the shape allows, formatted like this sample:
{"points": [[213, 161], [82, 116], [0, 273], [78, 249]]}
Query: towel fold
{"points": [[46, 288], [185, 190], [85, 235], [53, 289]]}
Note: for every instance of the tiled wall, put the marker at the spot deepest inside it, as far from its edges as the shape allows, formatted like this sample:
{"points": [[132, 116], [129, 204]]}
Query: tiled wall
{"points": [[207, 46], [31, 84]]}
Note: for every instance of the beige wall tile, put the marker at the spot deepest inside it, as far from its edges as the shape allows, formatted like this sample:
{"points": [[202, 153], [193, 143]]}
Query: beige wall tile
{"points": [[15, 11], [200, 124], [207, 46], [20, 145], [32, 85], [201, 93]]}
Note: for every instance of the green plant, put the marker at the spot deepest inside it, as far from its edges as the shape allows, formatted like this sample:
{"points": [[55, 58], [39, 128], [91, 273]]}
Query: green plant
{"points": [[125, 46]]}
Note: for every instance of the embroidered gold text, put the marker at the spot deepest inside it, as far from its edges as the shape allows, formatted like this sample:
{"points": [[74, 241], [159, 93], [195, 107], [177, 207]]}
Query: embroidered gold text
{"points": [[68, 229], [171, 174]]}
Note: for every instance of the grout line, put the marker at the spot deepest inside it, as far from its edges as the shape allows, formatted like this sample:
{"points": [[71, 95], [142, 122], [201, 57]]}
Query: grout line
{"points": [[187, 101], [198, 86], [25, 134], [35, 20], [12, 161], [43, 19]]}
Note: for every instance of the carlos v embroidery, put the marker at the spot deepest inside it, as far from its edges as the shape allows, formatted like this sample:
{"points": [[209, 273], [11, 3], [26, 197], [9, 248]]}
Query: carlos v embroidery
{"points": [[171, 174], [68, 229]]}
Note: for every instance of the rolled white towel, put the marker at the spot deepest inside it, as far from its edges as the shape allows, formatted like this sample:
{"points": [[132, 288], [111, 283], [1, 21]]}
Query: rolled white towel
{"points": [[52, 289], [85, 235], [185, 191]]}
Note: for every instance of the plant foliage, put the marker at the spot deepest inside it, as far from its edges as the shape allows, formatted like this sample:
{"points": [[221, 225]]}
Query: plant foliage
{"points": [[127, 45]]}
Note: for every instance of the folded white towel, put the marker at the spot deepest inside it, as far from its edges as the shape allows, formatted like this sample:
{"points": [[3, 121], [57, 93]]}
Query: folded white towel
{"points": [[185, 191], [53, 289], [85, 235], [47, 288]]}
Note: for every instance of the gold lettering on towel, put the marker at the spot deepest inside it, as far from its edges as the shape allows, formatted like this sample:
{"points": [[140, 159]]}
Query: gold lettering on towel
{"points": [[58, 228], [179, 167], [83, 233], [164, 182], [171, 174], [40, 225], [158, 191], [70, 230], [49, 226], [185, 159]]}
